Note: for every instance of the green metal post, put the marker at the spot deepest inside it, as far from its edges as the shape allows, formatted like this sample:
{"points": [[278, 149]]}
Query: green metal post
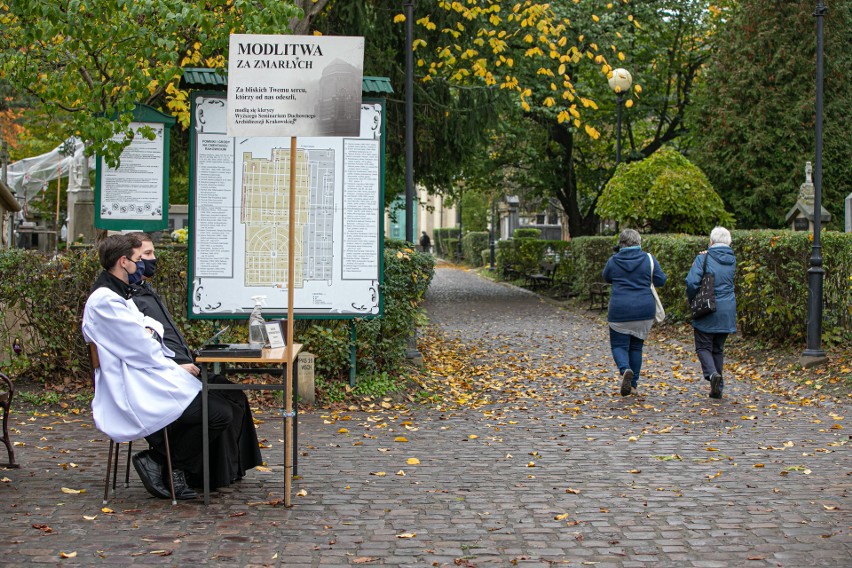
{"points": [[352, 369]]}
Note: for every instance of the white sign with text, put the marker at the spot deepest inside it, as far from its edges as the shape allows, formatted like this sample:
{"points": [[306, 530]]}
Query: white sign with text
{"points": [[286, 85]]}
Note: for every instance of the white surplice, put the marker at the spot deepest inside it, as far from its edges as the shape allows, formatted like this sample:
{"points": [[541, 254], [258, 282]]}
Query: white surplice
{"points": [[138, 389]]}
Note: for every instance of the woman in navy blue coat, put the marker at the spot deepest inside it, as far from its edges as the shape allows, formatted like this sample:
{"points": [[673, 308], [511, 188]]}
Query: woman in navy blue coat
{"points": [[631, 304], [712, 330]]}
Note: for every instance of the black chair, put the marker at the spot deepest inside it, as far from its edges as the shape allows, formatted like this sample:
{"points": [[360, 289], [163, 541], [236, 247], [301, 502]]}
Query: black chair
{"points": [[112, 463], [7, 392]]}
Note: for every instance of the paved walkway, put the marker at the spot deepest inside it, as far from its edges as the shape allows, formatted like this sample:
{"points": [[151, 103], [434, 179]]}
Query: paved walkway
{"points": [[530, 459]]}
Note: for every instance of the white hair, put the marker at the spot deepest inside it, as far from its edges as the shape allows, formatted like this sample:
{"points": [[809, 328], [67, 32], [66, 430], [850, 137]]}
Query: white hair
{"points": [[720, 236]]}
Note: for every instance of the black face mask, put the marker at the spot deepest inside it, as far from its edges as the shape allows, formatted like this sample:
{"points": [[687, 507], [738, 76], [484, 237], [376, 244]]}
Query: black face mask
{"points": [[150, 267]]}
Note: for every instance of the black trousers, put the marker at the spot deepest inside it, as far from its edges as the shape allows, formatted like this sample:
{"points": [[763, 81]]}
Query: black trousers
{"points": [[710, 348], [234, 447], [185, 433]]}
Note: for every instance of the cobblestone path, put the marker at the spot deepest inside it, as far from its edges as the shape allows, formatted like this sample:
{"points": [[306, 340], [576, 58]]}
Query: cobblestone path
{"points": [[530, 458]]}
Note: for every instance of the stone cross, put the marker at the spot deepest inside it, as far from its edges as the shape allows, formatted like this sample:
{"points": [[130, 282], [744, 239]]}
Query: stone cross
{"points": [[806, 190]]}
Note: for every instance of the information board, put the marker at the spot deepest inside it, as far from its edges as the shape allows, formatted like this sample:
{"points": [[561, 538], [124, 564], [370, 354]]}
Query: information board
{"points": [[239, 202], [135, 195]]}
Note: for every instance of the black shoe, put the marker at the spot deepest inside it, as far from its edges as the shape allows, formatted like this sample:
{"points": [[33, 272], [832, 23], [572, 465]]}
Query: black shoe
{"points": [[626, 382], [715, 385], [151, 474], [182, 489]]}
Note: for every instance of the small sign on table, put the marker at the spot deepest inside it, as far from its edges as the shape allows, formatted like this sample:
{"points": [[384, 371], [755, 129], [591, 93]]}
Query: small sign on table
{"points": [[275, 334]]}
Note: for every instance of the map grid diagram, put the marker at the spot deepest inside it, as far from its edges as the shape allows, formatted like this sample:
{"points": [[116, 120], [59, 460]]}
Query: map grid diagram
{"points": [[264, 210]]}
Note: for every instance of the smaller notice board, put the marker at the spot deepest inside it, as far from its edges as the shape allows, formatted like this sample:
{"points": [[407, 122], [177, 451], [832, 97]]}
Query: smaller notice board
{"points": [[135, 195], [239, 230]]}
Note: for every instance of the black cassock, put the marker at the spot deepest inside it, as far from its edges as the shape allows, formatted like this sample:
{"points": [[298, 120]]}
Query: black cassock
{"points": [[237, 449]]}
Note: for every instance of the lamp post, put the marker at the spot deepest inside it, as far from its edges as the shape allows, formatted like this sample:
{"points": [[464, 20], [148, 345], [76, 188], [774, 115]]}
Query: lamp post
{"points": [[409, 120], [411, 352], [620, 82], [814, 355]]}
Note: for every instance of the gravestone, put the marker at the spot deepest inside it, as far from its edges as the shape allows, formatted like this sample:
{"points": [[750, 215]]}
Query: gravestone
{"points": [[306, 390], [849, 213]]}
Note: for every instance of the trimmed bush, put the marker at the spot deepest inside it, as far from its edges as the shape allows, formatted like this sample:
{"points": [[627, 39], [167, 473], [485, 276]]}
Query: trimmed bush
{"points": [[771, 283], [527, 233], [42, 299], [440, 244], [473, 244]]}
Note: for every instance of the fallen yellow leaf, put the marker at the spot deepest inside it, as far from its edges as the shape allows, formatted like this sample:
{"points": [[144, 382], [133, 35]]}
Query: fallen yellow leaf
{"points": [[406, 535], [302, 493], [73, 491], [413, 461], [67, 555]]}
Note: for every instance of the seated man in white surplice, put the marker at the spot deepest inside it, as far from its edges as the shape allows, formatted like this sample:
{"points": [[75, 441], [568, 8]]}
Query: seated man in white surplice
{"points": [[138, 389]]}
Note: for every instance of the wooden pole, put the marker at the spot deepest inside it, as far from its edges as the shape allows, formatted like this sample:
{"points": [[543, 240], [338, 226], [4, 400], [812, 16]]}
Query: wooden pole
{"points": [[288, 392]]}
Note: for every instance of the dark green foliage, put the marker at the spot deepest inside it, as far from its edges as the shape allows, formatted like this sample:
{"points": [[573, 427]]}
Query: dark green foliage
{"points": [[524, 255], [42, 301], [756, 110], [589, 255], [663, 193], [473, 244], [440, 244], [475, 211], [771, 284], [450, 249], [528, 233]]}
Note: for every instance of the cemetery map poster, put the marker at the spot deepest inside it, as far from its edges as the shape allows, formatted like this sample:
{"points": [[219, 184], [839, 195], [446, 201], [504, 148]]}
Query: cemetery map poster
{"points": [[240, 232]]}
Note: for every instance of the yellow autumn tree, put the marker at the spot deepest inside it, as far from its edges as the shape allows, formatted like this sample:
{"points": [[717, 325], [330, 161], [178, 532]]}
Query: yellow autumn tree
{"points": [[549, 57]]}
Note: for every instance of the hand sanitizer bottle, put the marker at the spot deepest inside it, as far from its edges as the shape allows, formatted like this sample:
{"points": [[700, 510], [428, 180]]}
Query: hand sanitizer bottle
{"points": [[257, 327]]}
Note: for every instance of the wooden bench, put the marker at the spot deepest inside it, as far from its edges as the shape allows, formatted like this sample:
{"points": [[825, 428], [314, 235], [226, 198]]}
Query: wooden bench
{"points": [[544, 276], [598, 294], [7, 391]]}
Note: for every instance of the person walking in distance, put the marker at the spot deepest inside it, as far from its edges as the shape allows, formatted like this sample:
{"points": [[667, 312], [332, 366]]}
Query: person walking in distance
{"points": [[425, 242], [712, 330], [631, 271]]}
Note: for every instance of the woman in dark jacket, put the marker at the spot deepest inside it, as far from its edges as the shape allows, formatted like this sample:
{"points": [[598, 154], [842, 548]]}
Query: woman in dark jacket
{"points": [[712, 330], [631, 305]]}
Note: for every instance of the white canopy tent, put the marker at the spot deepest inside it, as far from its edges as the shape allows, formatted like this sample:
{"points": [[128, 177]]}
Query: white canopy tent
{"points": [[28, 176]]}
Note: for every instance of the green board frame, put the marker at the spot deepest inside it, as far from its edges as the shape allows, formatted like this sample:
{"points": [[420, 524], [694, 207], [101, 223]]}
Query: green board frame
{"points": [[141, 113]]}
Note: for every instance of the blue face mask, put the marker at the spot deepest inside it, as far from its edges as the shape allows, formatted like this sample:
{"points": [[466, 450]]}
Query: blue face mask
{"points": [[150, 266], [136, 277]]}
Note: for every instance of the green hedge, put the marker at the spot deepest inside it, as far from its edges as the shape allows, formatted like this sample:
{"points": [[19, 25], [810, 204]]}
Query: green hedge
{"points": [[524, 255], [42, 300], [440, 238], [473, 244], [771, 284]]}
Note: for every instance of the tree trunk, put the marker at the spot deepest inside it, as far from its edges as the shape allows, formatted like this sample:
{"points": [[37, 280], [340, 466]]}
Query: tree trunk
{"points": [[311, 8], [579, 223]]}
